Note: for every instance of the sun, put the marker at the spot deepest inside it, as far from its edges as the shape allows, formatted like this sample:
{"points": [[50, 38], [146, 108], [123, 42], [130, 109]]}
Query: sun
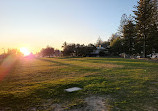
{"points": [[25, 51]]}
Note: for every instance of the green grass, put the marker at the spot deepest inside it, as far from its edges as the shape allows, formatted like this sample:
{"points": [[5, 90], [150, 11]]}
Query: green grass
{"points": [[130, 84]]}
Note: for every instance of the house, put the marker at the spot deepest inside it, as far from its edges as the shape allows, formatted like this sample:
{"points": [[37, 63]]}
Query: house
{"points": [[99, 51]]}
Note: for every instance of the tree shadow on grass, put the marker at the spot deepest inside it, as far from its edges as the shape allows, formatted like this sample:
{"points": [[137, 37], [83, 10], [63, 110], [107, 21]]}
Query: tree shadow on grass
{"points": [[74, 67]]}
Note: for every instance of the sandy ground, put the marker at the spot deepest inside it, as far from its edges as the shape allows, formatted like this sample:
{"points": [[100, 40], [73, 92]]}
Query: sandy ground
{"points": [[92, 103]]}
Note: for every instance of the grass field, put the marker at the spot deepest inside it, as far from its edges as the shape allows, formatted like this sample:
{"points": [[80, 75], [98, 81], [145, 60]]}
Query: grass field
{"points": [[125, 84]]}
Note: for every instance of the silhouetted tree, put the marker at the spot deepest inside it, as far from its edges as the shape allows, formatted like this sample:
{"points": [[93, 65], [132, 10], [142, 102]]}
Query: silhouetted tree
{"points": [[106, 44], [14, 52], [90, 48], [77, 49], [48, 51]]}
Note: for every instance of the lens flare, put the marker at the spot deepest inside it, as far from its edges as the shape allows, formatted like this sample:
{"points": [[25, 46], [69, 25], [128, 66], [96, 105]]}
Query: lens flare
{"points": [[6, 66], [25, 51]]}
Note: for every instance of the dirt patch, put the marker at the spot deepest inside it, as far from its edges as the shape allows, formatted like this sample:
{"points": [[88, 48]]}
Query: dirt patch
{"points": [[47, 107], [149, 108], [92, 103], [96, 103]]}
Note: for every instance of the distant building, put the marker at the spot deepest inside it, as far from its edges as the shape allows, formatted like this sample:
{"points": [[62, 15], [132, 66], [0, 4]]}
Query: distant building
{"points": [[100, 51]]}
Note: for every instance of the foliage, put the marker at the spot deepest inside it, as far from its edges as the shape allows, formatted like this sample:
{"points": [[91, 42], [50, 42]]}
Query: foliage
{"points": [[117, 46], [77, 49], [106, 44], [48, 51], [124, 21], [139, 34], [144, 25], [129, 36], [102, 54], [113, 36]]}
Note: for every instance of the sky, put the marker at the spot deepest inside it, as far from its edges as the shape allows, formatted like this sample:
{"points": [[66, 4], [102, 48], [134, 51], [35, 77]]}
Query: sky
{"points": [[37, 23]]}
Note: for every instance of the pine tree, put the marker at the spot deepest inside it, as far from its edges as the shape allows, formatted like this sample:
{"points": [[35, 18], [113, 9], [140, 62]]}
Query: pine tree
{"points": [[153, 36], [143, 18], [129, 37], [123, 21]]}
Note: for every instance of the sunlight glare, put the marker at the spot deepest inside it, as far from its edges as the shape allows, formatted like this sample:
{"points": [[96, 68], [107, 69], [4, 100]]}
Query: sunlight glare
{"points": [[25, 51]]}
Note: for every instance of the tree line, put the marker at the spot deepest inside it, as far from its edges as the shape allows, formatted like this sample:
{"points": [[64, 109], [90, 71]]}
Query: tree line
{"points": [[138, 34], [49, 52], [77, 49]]}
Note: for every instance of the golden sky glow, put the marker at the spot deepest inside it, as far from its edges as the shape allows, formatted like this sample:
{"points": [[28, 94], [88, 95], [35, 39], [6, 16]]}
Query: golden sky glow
{"points": [[37, 23]]}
